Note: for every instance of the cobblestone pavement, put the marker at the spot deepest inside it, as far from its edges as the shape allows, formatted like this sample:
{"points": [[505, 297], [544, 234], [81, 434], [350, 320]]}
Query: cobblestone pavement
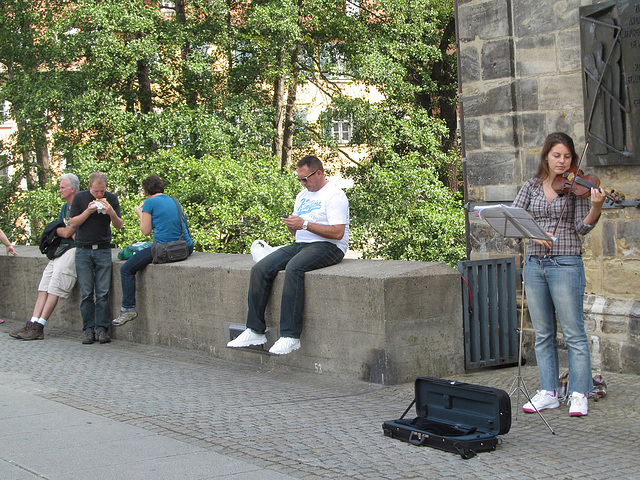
{"points": [[313, 426]]}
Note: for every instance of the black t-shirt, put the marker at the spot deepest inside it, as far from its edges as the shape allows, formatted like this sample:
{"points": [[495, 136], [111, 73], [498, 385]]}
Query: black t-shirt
{"points": [[96, 230]]}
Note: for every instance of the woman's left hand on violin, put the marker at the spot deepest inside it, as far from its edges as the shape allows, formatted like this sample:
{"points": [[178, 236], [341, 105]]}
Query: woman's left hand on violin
{"points": [[598, 196]]}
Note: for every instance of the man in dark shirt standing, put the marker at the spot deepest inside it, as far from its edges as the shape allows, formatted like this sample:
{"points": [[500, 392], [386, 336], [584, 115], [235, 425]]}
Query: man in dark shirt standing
{"points": [[92, 213]]}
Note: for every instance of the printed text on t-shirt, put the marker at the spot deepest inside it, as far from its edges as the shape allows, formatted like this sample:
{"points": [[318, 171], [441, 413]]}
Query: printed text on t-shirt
{"points": [[308, 205]]}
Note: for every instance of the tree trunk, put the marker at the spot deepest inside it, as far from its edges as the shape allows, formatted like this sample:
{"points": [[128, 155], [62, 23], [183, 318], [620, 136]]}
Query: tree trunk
{"points": [[43, 161], [35, 175], [447, 101], [27, 165], [144, 87], [189, 81], [289, 121], [278, 106], [444, 76], [442, 104]]}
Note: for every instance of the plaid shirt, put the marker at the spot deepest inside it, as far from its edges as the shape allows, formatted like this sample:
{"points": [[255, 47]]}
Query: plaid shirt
{"points": [[532, 198]]}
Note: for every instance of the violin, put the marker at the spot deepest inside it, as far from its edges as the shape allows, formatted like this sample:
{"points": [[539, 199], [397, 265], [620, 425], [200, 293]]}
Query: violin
{"points": [[580, 184]]}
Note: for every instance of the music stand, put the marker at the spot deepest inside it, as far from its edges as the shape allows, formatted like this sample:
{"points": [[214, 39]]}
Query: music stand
{"points": [[514, 222]]}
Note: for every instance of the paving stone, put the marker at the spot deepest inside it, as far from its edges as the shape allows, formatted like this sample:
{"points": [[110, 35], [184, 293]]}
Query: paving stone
{"points": [[311, 426]]}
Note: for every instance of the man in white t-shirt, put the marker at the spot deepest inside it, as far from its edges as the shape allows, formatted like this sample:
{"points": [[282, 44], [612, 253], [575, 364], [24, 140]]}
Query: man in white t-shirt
{"points": [[320, 224]]}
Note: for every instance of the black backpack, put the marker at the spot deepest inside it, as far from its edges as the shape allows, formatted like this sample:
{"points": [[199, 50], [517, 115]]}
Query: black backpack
{"points": [[49, 240]]}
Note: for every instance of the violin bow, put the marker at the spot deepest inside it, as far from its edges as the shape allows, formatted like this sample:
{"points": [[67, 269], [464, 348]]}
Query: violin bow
{"points": [[573, 182]]}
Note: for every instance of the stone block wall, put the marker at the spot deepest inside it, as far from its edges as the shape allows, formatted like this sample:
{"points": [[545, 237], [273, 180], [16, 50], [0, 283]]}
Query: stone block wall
{"points": [[521, 80], [384, 322]]}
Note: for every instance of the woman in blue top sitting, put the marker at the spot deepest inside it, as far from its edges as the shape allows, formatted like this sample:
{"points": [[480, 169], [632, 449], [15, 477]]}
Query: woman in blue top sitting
{"points": [[158, 215]]}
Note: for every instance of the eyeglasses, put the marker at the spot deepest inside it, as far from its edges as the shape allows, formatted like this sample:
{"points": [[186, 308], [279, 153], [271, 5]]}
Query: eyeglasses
{"points": [[304, 179]]}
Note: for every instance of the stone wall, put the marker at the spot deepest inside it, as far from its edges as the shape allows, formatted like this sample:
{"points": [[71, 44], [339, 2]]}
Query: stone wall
{"points": [[521, 80], [385, 322]]}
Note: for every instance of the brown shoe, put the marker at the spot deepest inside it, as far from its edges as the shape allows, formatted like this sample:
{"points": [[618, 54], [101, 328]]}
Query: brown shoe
{"points": [[89, 337], [36, 333], [25, 329], [102, 337]]}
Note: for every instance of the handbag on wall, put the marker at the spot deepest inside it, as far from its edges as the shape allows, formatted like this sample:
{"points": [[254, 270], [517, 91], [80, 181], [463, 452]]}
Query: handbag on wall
{"points": [[166, 252]]}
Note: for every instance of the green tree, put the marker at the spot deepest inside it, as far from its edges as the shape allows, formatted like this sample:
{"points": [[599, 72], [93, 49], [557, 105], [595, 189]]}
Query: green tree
{"points": [[204, 94], [400, 209], [131, 68], [28, 81], [276, 50], [404, 203]]}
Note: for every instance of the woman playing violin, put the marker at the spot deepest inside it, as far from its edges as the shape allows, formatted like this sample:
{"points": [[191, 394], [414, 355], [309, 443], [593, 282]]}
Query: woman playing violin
{"points": [[554, 275]]}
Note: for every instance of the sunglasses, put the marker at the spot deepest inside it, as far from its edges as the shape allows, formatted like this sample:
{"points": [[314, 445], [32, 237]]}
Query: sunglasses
{"points": [[304, 179]]}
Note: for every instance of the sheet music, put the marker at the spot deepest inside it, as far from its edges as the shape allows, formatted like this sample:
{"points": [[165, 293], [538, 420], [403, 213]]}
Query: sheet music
{"points": [[512, 222]]}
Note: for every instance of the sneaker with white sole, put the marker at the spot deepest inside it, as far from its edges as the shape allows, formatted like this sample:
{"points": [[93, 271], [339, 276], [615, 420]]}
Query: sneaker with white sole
{"points": [[578, 405], [543, 400], [247, 339], [124, 317], [285, 345]]}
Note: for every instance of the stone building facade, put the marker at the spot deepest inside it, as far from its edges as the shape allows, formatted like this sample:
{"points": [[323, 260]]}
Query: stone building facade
{"points": [[521, 79]]}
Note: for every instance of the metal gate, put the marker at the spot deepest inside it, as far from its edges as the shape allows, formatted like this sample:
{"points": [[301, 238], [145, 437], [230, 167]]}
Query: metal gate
{"points": [[490, 312]]}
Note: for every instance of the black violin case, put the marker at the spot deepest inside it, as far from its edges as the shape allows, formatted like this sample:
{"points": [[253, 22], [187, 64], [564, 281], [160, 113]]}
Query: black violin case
{"points": [[453, 416]]}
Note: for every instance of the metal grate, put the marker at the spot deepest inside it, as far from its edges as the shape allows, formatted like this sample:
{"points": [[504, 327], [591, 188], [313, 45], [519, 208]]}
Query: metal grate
{"points": [[490, 312]]}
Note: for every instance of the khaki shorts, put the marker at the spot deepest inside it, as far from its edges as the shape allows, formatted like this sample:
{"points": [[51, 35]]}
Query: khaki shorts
{"points": [[59, 276]]}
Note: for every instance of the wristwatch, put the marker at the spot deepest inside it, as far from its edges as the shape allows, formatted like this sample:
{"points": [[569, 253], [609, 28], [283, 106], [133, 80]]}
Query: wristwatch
{"points": [[305, 225]]}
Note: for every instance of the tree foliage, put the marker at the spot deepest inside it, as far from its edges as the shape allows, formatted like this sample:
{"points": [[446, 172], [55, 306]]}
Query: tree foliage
{"points": [[203, 94], [402, 210]]}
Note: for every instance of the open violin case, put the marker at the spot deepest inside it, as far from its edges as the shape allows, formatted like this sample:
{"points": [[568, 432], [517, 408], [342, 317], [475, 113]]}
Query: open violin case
{"points": [[455, 417]]}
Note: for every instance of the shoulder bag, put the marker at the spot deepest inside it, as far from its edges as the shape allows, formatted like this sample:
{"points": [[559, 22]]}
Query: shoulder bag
{"points": [[166, 252]]}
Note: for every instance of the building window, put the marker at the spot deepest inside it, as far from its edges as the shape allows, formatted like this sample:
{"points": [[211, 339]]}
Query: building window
{"points": [[168, 7], [243, 54], [353, 8], [332, 61], [342, 130], [5, 115]]}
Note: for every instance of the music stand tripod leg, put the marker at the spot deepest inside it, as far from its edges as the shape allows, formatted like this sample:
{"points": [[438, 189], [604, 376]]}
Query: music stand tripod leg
{"points": [[518, 384]]}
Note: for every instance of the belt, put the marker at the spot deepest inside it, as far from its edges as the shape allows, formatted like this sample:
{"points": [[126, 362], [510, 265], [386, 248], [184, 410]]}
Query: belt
{"points": [[101, 246]]}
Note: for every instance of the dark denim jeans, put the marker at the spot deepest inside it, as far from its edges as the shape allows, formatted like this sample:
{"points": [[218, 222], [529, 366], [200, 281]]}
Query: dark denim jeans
{"points": [[128, 271], [295, 260], [94, 278]]}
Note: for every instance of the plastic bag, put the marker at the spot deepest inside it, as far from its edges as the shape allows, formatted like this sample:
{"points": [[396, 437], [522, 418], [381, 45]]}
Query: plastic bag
{"points": [[127, 252], [260, 249]]}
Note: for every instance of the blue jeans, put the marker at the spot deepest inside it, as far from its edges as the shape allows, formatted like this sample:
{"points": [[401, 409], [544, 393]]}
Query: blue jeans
{"points": [[128, 271], [555, 287], [295, 260], [93, 268]]}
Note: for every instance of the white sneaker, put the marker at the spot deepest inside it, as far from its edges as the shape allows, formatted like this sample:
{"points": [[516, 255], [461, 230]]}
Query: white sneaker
{"points": [[542, 400], [578, 405], [124, 317], [248, 338], [285, 345]]}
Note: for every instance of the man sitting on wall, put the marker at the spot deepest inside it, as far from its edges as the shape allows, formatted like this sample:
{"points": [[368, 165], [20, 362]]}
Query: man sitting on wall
{"points": [[320, 224]]}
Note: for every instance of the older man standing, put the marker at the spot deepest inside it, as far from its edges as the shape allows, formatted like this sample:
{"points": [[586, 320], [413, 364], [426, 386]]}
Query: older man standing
{"points": [[320, 224], [92, 213], [59, 275]]}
